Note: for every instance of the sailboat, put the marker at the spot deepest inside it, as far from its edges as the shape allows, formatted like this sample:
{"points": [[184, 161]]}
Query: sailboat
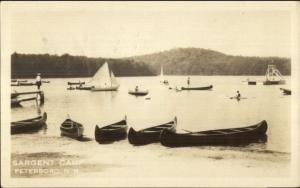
{"points": [[104, 80], [273, 76], [164, 81]]}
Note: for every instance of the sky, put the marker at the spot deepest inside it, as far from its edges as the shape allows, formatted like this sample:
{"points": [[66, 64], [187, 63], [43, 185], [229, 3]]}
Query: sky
{"points": [[114, 29]]}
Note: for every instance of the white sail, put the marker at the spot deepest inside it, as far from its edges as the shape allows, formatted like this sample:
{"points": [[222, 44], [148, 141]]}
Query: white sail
{"points": [[101, 78], [161, 73], [273, 73], [113, 79]]}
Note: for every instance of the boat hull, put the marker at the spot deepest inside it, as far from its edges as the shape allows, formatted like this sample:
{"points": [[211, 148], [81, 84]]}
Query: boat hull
{"points": [[270, 82], [76, 131], [110, 135], [251, 82], [204, 138], [286, 91], [30, 125], [148, 136], [113, 88], [197, 88], [138, 93]]}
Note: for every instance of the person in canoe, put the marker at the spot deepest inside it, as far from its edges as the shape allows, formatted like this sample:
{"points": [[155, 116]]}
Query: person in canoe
{"points": [[38, 80], [188, 81], [238, 95]]}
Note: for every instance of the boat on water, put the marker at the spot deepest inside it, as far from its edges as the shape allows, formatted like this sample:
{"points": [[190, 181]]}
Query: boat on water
{"points": [[83, 87], [286, 91], [138, 92], [150, 135], [104, 80], [29, 125], [23, 84], [197, 88], [231, 136], [113, 132], [251, 82], [273, 76], [71, 129], [162, 79], [76, 83]]}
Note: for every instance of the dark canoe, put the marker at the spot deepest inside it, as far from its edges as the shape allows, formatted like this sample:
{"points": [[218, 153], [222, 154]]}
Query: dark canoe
{"points": [[232, 136], [251, 82], [138, 93], [113, 132], [29, 125], [76, 83], [286, 91], [150, 135], [273, 82], [71, 129], [84, 87], [197, 88]]}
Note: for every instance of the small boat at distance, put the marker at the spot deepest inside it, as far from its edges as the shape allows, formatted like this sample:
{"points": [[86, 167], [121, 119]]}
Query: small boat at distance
{"points": [[76, 83], [231, 136], [273, 76], [150, 135], [113, 132], [71, 129], [29, 125], [197, 88], [286, 91], [138, 92]]}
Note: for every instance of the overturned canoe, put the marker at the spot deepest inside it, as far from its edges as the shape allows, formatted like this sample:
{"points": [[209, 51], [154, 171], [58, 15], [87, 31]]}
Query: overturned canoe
{"points": [[28, 125], [150, 135], [112, 132], [232, 136], [71, 129], [197, 88]]}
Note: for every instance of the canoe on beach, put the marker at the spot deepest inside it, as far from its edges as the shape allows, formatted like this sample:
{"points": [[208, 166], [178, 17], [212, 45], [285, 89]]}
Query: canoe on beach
{"points": [[231, 136], [71, 129], [197, 88], [150, 135], [28, 125], [113, 132]]}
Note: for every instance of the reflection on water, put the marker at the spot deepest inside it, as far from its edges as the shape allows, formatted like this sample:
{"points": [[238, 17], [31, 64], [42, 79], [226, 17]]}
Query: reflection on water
{"points": [[195, 110]]}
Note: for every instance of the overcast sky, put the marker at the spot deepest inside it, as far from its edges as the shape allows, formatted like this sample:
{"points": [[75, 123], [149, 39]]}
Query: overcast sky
{"points": [[117, 29]]}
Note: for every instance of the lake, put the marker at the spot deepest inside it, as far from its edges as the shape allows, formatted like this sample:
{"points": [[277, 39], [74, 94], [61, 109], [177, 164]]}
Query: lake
{"points": [[195, 111]]}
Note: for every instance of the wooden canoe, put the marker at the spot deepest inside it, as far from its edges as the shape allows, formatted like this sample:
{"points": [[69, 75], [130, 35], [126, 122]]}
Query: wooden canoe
{"points": [[197, 88], [113, 132], [286, 91], [150, 135], [28, 125], [232, 136], [71, 129], [138, 93], [76, 83]]}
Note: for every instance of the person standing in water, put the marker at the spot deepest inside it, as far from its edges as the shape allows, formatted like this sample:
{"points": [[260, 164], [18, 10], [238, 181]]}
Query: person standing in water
{"points": [[188, 81], [38, 80]]}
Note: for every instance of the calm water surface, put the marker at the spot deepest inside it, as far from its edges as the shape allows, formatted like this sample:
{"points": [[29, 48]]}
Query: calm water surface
{"points": [[195, 111]]}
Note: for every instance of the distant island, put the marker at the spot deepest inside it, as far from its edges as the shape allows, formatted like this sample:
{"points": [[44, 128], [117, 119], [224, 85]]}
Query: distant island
{"points": [[179, 61]]}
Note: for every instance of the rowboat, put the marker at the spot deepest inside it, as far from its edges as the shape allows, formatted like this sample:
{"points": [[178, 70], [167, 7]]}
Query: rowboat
{"points": [[71, 129], [232, 136], [76, 83], [197, 88], [138, 93], [150, 135], [84, 87], [286, 91], [112, 132], [28, 125]]}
